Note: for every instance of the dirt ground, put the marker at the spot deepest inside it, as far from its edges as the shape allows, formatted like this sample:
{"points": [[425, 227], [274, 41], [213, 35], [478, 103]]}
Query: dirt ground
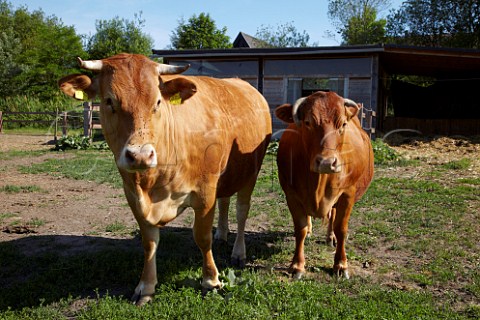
{"points": [[62, 206]]}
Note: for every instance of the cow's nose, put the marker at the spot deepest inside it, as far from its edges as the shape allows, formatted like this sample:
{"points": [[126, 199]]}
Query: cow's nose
{"points": [[326, 165], [140, 157]]}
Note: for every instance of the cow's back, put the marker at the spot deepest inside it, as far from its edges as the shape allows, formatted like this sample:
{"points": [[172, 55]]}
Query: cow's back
{"points": [[235, 119], [364, 158]]}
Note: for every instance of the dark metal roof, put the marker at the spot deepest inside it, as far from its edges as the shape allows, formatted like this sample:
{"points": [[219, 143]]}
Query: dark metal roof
{"points": [[244, 40], [395, 59]]}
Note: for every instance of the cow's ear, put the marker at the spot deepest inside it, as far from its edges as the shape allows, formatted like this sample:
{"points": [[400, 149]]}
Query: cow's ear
{"points": [[178, 90], [284, 113], [78, 86]]}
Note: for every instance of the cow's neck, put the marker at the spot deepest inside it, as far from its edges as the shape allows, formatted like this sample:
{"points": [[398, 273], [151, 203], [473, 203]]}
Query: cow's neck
{"points": [[325, 189]]}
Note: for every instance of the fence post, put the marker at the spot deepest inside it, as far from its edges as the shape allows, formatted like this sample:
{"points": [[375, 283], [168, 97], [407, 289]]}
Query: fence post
{"points": [[64, 125], [87, 119], [1, 121], [56, 126]]}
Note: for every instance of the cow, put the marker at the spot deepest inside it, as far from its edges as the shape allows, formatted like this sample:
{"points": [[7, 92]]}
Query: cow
{"points": [[325, 165], [178, 142]]}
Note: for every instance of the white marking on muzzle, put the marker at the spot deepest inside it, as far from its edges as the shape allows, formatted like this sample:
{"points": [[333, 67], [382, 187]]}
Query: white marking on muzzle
{"points": [[138, 157]]}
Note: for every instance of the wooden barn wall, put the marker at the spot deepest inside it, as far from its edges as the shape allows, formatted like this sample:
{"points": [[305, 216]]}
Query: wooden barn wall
{"points": [[346, 67], [360, 90], [274, 93], [433, 126]]}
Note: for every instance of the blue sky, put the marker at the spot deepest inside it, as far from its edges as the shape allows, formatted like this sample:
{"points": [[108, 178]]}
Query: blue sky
{"points": [[162, 17]]}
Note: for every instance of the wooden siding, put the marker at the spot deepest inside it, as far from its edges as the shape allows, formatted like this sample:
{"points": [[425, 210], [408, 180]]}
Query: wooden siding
{"points": [[433, 126], [359, 90], [274, 93]]}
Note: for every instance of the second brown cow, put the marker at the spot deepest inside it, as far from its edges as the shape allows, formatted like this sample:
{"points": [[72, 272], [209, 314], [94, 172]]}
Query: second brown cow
{"points": [[325, 163]]}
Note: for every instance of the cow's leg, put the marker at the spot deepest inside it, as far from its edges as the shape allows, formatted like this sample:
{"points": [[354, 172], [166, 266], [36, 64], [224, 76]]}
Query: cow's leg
{"points": [[202, 233], [309, 230], [300, 222], [222, 229], [331, 240], [239, 252], [340, 227], [146, 287]]}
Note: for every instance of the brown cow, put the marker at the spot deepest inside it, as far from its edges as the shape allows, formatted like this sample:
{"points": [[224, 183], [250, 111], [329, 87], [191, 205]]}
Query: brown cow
{"points": [[178, 142], [325, 163]]}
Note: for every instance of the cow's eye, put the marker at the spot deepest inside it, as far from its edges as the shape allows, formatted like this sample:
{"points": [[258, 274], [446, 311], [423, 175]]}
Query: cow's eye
{"points": [[342, 128], [307, 123], [157, 105], [109, 104]]}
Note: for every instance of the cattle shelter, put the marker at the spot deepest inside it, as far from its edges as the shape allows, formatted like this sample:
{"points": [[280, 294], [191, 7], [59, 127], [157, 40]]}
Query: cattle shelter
{"points": [[431, 90]]}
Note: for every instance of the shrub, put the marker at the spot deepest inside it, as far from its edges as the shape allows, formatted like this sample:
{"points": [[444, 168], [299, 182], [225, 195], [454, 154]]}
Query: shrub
{"points": [[383, 153]]}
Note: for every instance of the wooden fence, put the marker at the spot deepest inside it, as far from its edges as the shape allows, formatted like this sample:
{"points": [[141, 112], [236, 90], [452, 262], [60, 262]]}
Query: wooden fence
{"points": [[63, 119], [91, 120], [367, 120]]}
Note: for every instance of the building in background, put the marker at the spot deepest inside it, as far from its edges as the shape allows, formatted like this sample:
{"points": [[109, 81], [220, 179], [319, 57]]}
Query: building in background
{"points": [[432, 90]]}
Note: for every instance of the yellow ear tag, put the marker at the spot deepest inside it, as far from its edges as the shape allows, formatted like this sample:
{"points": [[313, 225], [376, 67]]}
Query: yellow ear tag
{"points": [[80, 95], [176, 99]]}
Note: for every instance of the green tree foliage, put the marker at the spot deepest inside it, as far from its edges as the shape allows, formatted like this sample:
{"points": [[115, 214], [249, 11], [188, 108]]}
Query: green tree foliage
{"points": [[283, 36], [36, 51], [10, 47], [200, 32], [436, 23], [356, 20], [119, 35]]}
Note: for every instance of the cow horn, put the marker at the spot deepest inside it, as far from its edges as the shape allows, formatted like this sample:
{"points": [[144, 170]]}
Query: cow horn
{"points": [[350, 103], [295, 111], [171, 69], [94, 65]]}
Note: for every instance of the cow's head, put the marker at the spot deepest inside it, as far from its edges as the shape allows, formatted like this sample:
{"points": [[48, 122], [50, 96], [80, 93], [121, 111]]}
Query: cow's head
{"points": [[322, 119], [131, 94]]}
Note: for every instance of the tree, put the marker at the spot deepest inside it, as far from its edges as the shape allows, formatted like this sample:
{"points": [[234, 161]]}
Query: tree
{"points": [[10, 47], [356, 20], [199, 33], [119, 35], [37, 51], [436, 23], [285, 35]]}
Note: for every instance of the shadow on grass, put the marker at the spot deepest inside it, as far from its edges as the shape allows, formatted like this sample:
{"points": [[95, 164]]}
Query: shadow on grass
{"points": [[38, 269]]}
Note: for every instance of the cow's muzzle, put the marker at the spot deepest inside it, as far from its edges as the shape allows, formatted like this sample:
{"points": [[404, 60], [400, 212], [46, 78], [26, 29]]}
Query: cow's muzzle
{"points": [[326, 165], [138, 158]]}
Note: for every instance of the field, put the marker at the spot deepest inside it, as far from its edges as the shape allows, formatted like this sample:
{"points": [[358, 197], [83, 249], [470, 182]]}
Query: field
{"points": [[70, 248]]}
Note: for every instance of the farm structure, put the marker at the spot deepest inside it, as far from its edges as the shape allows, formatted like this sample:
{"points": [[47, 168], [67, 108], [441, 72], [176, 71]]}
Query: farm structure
{"points": [[431, 90]]}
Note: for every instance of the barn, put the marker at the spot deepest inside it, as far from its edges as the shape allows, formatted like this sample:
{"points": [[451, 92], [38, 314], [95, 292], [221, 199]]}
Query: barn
{"points": [[431, 90]]}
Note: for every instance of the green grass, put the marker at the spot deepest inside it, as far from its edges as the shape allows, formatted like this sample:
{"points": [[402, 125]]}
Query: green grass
{"points": [[461, 164], [20, 189], [116, 227], [419, 236], [87, 165]]}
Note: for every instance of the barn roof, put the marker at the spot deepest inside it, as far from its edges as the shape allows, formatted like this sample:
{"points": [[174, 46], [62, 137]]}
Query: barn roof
{"points": [[395, 59], [244, 40]]}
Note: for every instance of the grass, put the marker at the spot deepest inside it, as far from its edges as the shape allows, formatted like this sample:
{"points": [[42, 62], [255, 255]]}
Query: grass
{"points": [[116, 227], [20, 189], [93, 166], [413, 248]]}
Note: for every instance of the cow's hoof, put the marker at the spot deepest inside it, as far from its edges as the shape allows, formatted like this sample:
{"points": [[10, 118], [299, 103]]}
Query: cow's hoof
{"points": [[342, 273], [209, 287], [238, 262], [140, 300], [331, 241], [298, 275]]}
